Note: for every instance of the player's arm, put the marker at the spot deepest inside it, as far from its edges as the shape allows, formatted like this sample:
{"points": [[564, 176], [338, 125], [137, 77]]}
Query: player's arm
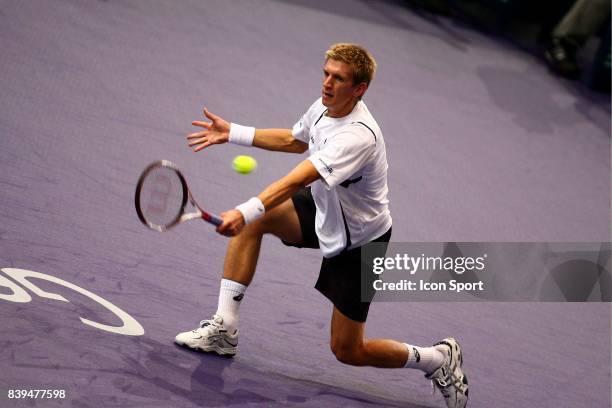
{"points": [[219, 131], [280, 140], [281, 190], [276, 193]]}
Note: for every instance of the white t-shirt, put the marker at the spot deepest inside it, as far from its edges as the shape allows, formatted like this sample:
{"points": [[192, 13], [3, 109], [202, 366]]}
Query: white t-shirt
{"points": [[351, 196]]}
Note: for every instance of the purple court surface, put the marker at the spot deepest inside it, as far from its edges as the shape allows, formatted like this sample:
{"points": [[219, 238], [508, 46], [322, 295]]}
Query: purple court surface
{"points": [[483, 145]]}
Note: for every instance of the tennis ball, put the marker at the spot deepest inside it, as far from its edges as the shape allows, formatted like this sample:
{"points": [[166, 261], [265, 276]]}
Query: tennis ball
{"points": [[244, 164]]}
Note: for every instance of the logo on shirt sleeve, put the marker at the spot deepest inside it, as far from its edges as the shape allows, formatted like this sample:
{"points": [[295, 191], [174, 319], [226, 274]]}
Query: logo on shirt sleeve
{"points": [[329, 169]]}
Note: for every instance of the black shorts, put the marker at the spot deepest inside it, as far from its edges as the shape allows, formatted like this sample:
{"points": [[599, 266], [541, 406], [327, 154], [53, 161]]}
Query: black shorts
{"points": [[340, 278]]}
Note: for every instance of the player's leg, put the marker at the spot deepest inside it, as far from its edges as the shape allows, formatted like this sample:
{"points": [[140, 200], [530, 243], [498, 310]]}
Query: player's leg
{"points": [[345, 280], [243, 249], [350, 346], [340, 280], [242, 254], [441, 363], [220, 334]]}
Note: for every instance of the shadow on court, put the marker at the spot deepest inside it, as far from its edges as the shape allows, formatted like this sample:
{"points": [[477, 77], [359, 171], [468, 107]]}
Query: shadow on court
{"points": [[220, 381]]}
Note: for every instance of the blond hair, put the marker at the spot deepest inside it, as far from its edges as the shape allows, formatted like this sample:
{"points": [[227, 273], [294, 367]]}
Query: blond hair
{"points": [[359, 59]]}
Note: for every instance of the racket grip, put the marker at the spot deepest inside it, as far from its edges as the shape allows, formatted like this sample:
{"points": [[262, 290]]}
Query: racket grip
{"points": [[213, 219]]}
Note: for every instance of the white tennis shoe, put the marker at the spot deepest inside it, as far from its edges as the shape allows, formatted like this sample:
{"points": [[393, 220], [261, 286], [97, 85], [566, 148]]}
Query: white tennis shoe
{"points": [[210, 337], [449, 378]]}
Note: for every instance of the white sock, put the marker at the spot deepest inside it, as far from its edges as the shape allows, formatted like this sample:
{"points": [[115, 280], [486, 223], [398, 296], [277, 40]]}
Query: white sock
{"points": [[426, 359], [230, 295]]}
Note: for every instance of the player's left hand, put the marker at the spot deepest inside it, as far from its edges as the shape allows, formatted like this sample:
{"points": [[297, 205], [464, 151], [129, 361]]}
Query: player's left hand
{"points": [[233, 223], [216, 132]]}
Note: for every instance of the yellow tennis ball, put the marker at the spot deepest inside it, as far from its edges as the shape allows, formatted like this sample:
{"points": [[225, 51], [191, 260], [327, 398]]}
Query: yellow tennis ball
{"points": [[244, 164]]}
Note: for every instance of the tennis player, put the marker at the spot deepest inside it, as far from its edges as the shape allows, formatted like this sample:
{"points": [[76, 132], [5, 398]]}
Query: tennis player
{"points": [[335, 200]]}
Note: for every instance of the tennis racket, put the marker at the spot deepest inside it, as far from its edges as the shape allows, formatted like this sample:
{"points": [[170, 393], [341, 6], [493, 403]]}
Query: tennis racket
{"points": [[162, 196]]}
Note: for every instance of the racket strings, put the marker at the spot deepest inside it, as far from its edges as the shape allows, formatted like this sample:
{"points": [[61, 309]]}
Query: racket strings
{"points": [[162, 196]]}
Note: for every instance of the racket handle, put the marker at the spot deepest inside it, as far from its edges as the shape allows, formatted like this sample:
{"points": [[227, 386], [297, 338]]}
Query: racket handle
{"points": [[213, 219]]}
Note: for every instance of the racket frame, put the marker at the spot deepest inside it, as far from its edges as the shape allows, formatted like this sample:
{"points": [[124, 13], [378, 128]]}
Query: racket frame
{"points": [[182, 216]]}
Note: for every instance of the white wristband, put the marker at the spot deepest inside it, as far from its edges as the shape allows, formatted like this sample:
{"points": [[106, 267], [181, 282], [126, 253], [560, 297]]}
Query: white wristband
{"points": [[242, 135], [251, 210]]}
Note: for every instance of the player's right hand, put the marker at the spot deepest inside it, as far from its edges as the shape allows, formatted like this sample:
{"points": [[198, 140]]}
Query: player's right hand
{"points": [[216, 132], [233, 223]]}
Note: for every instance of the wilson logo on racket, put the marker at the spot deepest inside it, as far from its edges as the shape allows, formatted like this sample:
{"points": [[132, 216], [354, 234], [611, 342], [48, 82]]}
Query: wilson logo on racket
{"points": [[160, 194]]}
